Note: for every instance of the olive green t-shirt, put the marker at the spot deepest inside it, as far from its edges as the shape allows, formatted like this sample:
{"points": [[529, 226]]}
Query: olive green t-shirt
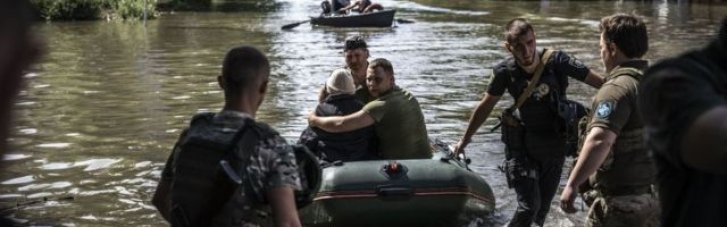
{"points": [[615, 103], [399, 125]]}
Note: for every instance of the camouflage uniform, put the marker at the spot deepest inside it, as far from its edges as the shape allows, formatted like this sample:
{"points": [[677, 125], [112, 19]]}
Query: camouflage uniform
{"points": [[271, 165], [623, 195], [627, 211]]}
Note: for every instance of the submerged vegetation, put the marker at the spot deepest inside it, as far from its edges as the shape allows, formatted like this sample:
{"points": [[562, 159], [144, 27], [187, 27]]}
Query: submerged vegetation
{"points": [[95, 9]]}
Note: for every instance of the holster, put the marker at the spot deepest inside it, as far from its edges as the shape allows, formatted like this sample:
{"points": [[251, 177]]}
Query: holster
{"points": [[516, 163], [517, 168], [513, 135]]}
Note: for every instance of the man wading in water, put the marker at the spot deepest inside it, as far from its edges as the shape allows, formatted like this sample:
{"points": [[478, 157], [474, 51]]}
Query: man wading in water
{"points": [[535, 146]]}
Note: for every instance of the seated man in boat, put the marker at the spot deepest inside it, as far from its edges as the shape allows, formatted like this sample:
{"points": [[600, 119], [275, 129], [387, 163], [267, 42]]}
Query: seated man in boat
{"points": [[356, 54], [333, 6], [395, 114], [355, 145], [362, 6]]}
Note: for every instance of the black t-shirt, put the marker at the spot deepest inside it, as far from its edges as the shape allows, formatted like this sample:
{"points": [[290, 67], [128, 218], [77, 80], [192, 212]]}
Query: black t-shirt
{"points": [[673, 95], [539, 113]]}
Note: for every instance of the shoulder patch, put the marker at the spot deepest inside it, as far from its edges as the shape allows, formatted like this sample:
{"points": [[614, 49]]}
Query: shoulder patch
{"points": [[604, 109]]}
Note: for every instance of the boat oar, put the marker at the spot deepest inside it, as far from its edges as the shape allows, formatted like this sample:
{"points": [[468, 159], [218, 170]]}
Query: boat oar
{"points": [[404, 21], [293, 25]]}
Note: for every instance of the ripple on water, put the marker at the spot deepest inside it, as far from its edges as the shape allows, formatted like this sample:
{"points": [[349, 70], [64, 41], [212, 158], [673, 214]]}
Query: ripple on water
{"points": [[142, 164], [33, 187], [96, 164], [28, 131], [10, 157], [39, 195], [56, 166], [19, 180], [61, 184], [53, 145]]}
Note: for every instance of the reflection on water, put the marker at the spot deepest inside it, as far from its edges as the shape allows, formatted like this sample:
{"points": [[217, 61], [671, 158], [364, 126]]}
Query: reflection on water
{"points": [[101, 112]]}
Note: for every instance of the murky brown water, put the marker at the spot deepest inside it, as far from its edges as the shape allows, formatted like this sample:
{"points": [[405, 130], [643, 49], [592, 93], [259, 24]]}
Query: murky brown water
{"points": [[102, 111]]}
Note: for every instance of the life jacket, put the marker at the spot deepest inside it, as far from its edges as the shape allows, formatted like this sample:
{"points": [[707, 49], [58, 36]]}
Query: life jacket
{"points": [[629, 164], [200, 187]]}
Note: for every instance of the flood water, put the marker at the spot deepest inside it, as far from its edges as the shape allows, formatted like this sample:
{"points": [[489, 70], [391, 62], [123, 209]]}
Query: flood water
{"points": [[103, 109]]}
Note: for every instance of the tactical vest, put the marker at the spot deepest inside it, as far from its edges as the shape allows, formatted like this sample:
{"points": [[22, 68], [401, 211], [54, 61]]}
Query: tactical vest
{"points": [[534, 111], [202, 194], [629, 164]]}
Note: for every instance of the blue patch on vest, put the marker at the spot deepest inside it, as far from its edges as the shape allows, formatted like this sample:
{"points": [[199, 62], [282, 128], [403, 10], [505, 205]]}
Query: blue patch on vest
{"points": [[604, 109]]}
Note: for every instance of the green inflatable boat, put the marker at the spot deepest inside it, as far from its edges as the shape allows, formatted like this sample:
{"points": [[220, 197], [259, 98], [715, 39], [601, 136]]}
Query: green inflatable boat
{"points": [[441, 191]]}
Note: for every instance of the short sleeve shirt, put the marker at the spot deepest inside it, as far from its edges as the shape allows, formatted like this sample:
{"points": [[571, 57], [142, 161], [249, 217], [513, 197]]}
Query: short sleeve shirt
{"points": [[561, 65], [538, 112], [614, 106], [399, 126]]}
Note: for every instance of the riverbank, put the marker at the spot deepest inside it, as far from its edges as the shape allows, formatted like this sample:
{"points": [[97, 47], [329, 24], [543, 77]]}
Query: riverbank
{"points": [[95, 9]]}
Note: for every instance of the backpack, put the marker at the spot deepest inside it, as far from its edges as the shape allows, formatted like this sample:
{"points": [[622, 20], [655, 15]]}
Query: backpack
{"points": [[207, 171], [574, 115], [200, 186]]}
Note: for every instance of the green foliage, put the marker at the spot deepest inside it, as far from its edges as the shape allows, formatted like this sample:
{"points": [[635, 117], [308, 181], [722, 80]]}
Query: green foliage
{"points": [[94, 9], [68, 9], [134, 9]]}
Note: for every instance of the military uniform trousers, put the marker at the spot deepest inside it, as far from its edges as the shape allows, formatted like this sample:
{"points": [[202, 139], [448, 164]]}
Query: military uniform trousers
{"points": [[637, 210]]}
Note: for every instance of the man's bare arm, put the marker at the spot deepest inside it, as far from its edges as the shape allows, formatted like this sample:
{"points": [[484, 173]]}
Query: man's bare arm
{"points": [[482, 111], [282, 203], [347, 123], [594, 79], [595, 149]]}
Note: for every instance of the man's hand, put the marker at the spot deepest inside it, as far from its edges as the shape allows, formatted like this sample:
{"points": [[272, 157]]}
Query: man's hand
{"points": [[459, 147], [567, 199], [312, 119]]}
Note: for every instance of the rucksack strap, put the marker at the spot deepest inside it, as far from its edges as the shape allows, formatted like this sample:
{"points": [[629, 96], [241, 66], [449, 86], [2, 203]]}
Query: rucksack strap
{"points": [[534, 81], [228, 186]]}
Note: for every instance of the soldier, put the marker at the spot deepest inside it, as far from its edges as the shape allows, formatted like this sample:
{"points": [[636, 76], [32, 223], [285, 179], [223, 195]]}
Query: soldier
{"points": [[395, 113], [684, 103], [614, 155], [260, 172], [534, 157]]}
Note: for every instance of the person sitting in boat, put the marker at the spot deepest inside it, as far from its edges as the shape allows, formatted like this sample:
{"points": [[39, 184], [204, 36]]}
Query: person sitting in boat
{"points": [[362, 6], [333, 6], [339, 100], [395, 114]]}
